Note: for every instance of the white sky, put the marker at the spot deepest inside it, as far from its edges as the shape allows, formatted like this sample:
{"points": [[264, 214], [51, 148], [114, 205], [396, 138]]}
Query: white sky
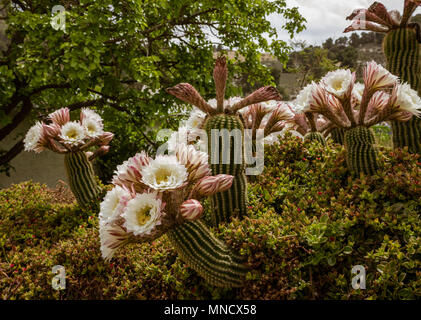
{"points": [[326, 18]]}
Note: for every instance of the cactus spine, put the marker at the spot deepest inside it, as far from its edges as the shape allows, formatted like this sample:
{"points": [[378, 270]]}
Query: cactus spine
{"points": [[81, 177], [232, 202], [207, 255], [401, 48], [315, 136], [360, 152], [337, 135]]}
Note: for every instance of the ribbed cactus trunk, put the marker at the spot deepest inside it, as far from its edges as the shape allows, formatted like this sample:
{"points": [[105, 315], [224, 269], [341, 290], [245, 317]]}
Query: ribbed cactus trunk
{"points": [[81, 177], [232, 202], [315, 136], [361, 156], [401, 48], [338, 135], [207, 255]]}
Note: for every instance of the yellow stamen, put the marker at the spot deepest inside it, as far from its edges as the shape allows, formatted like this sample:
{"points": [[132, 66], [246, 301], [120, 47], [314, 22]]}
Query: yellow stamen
{"points": [[162, 175], [143, 215]]}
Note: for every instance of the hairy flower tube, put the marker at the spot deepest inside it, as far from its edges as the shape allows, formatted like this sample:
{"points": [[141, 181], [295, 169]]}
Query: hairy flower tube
{"points": [[378, 19]]}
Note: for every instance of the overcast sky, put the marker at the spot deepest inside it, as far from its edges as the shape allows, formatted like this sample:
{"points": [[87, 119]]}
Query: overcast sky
{"points": [[326, 18]]}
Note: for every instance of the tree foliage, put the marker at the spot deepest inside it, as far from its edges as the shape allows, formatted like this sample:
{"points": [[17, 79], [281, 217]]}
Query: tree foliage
{"points": [[312, 62], [118, 55]]}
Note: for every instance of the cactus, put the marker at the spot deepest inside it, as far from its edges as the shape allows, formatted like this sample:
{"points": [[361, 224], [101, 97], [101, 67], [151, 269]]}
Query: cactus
{"points": [[225, 114], [345, 111], [207, 255], [175, 211], [315, 136], [233, 201], [361, 155], [81, 177], [401, 48], [73, 139], [337, 135]]}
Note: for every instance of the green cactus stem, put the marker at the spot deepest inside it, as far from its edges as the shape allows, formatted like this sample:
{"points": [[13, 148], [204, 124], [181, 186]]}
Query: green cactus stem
{"points": [[81, 178], [207, 255], [401, 48], [361, 156], [337, 135], [315, 136], [232, 202]]}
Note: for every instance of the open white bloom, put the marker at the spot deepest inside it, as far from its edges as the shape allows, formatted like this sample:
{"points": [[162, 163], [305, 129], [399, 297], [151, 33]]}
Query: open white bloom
{"points": [[73, 133], [358, 91], [337, 82], [196, 119], [92, 127], [111, 207], [33, 137], [178, 137], [142, 214], [408, 99], [87, 113], [164, 173], [304, 98]]}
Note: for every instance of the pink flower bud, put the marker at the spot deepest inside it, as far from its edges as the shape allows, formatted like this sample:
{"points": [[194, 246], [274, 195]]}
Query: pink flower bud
{"points": [[191, 209], [212, 184]]}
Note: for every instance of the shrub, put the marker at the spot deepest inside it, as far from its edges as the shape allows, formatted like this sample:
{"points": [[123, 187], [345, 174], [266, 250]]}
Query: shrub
{"points": [[31, 216], [309, 223]]}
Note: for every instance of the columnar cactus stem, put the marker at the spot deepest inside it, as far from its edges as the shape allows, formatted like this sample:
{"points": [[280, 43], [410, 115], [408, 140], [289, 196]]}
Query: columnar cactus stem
{"points": [[232, 202], [401, 48], [360, 152], [337, 135], [315, 136], [207, 255], [81, 177]]}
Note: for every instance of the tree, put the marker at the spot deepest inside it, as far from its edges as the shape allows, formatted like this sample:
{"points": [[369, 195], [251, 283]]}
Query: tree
{"points": [[312, 62], [118, 55]]}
